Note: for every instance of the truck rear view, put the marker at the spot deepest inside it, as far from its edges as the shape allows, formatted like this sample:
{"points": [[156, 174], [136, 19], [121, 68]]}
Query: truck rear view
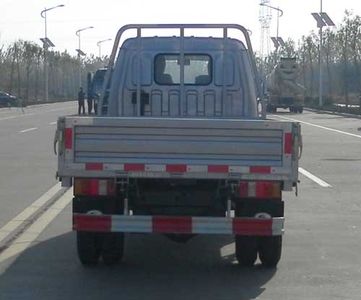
{"points": [[282, 87], [177, 149]]}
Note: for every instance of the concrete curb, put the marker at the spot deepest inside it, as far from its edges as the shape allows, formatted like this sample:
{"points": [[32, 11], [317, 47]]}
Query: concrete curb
{"points": [[347, 115]]}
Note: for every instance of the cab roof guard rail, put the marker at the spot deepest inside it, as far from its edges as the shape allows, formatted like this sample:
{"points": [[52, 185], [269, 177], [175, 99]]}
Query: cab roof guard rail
{"points": [[181, 27]]}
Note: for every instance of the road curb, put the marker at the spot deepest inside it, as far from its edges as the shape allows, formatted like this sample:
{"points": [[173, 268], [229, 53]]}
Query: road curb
{"points": [[25, 223], [347, 115]]}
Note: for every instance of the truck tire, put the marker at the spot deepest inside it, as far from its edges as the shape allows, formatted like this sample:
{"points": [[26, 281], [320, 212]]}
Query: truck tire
{"points": [[246, 250], [246, 246], [112, 248], [89, 248], [269, 250], [300, 110]]}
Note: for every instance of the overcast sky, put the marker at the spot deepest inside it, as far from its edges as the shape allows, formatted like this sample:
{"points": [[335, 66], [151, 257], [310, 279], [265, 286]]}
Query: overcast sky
{"points": [[20, 19]]}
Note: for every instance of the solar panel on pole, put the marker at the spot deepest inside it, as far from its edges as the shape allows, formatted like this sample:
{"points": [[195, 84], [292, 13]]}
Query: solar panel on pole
{"points": [[319, 20], [281, 42], [326, 18], [275, 42]]}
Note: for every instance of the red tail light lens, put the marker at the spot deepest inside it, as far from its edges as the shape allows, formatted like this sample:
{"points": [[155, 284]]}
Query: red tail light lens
{"points": [[94, 187], [260, 189]]}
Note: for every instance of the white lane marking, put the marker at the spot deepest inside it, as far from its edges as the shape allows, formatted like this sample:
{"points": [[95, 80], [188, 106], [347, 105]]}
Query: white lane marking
{"points": [[27, 114], [314, 178], [27, 212], [7, 118], [52, 123], [32, 233], [319, 126], [29, 129]]}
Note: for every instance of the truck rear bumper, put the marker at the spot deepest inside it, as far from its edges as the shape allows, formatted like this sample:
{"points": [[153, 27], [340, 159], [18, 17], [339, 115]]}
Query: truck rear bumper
{"points": [[179, 225]]}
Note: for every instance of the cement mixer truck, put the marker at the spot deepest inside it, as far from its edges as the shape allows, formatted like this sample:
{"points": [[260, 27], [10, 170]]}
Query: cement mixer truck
{"points": [[282, 89]]}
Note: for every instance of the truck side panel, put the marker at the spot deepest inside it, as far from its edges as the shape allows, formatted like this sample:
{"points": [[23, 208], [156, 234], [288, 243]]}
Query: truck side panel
{"points": [[192, 148]]}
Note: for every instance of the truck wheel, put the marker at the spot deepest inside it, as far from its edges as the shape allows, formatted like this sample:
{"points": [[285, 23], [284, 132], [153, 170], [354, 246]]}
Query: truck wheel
{"points": [[113, 248], [270, 249], [300, 110], [89, 247], [246, 250]]}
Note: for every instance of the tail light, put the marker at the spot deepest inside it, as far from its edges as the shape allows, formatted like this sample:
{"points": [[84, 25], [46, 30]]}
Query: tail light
{"points": [[260, 189], [68, 137], [94, 187]]}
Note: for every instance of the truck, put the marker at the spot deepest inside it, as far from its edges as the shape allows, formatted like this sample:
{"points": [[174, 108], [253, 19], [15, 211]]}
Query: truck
{"points": [[178, 147], [282, 88], [94, 86]]}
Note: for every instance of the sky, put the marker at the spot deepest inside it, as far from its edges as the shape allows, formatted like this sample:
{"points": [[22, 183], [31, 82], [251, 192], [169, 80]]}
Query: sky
{"points": [[20, 19]]}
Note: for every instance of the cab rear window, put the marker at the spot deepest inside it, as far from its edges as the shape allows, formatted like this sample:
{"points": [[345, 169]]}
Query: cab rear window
{"points": [[197, 69]]}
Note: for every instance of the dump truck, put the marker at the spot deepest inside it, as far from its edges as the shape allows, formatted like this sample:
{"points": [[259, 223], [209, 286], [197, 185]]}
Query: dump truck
{"points": [[178, 147], [282, 88]]}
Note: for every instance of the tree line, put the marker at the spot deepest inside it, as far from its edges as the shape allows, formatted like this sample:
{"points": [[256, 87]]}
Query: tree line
{"points": [[22, 66], [22, 71], [341, 62]]}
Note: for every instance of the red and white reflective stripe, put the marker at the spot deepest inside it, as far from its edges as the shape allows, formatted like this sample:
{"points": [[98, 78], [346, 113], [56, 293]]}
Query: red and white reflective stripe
{"points": [[260, 170], [184, 225], [94, 166], [91, 223], [134, 167], [178, 168], [218, 169], [164, 224]]}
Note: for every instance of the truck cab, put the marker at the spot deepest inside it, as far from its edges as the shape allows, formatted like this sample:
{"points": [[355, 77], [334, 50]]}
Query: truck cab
{"points": [[211, 78]]}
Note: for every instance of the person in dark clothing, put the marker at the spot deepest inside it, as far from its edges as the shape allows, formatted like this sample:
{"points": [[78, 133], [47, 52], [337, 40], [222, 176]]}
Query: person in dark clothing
{"points": [[81, 98], [90, 103], [89, 97]]}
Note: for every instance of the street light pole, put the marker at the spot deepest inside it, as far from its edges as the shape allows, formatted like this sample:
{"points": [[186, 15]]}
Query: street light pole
{"points": [[320, 89], [46, 47], [322, 19], [80, 53], [99, 46], [46, 70], [279, 14]]}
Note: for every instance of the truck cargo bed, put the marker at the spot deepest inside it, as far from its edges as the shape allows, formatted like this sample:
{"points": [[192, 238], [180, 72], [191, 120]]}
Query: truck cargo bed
{"points": [[190, 148]]}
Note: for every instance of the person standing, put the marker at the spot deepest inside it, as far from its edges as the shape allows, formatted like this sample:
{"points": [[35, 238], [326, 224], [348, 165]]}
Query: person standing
{"points": [[81, 98], [89, 93], [90, 102]]}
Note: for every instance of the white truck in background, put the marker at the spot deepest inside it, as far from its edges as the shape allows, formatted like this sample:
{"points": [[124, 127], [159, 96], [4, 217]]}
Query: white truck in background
{"points": [[282, 88], [177, 148]]}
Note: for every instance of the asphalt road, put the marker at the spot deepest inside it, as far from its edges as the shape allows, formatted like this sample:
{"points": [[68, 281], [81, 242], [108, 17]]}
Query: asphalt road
{"points": [[321, 254], [27, 160]]}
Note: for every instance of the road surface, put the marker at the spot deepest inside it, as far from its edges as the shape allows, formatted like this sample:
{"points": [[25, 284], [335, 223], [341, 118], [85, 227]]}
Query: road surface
{"points": [[321, 254]]}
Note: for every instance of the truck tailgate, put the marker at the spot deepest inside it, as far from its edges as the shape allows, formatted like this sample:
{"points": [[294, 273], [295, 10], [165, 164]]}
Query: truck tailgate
{"points": [[185, 148]]}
